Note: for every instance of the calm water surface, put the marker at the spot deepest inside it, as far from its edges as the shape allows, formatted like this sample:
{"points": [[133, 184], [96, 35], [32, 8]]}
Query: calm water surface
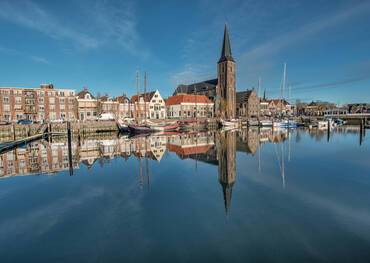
{"points": [[209, 197]]}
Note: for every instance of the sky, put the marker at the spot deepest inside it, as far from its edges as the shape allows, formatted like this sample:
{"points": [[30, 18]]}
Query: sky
{"points": [[101, 44]]}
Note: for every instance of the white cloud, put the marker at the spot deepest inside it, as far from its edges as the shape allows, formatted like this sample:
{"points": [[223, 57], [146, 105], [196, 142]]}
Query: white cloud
{"points": [[40, 60], [301, 33], [28, 14]]}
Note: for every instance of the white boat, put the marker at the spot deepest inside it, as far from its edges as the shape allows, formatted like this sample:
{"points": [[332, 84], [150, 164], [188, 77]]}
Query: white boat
{"points": [[266, 123], [285, 124], [253, 123]]}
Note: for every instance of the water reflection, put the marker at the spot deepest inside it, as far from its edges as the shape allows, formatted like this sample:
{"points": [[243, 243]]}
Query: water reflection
{"points": [[254, 192]]}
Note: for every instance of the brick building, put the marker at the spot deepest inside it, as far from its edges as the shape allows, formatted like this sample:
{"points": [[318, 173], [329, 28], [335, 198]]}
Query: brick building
{"points": [[37, 104], [247, 104]]}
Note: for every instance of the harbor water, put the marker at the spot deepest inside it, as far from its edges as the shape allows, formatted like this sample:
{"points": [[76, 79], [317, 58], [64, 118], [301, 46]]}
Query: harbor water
{"points": [[224, 196]]}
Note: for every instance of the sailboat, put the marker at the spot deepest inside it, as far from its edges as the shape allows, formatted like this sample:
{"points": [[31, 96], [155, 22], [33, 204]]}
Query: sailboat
{"points": [[138, 127], [284, 123]]}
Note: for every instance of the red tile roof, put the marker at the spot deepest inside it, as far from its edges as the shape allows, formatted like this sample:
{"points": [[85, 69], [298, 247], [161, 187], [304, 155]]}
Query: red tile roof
{"points": [[187, 98], [188, 150]]}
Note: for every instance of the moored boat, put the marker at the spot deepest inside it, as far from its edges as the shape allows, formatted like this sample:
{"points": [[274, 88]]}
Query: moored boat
{"points": [[122, 126], [266, 123], [164, 127], [135, 128]]}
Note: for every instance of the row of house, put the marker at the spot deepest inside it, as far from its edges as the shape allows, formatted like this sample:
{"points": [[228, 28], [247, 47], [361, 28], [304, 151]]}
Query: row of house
{"points": [[47, 103]]}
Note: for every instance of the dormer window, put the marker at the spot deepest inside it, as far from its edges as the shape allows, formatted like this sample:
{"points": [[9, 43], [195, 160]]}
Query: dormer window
{"points": [[87, 96]]}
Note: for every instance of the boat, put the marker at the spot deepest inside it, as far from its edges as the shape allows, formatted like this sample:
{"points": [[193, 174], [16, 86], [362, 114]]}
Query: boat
{"points": [[266, 123], [122, 126], [253, 123], [285, 124], [192, 125], [137, 128], [164, 127]]}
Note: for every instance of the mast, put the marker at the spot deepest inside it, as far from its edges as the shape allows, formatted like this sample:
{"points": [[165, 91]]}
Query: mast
{"points": [[259, 102], [283, 88], [145, 82], [137, 102]]}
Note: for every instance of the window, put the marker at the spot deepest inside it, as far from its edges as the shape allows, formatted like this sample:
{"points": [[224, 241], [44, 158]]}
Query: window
{"points": [[52, 100], [18, 100], [6, 107], [61, 101], [6, 100]]}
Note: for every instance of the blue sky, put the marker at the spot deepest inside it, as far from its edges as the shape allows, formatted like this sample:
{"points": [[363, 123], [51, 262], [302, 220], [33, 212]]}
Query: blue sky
{"points": [[101, 44]]}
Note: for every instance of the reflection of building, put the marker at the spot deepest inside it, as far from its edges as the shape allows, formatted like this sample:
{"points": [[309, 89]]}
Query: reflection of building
{"points": [[192, 145], [37, 104], [248, 140], [37, 158], [189, 106], [226, 155]]}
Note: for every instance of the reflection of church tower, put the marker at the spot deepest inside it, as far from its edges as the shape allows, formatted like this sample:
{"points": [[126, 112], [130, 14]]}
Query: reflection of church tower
{"points": [[226, 155], [225, 91]]}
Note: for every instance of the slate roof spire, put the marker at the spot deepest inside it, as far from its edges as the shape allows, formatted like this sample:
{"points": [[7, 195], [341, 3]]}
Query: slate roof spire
{"points": [[226, 48]]}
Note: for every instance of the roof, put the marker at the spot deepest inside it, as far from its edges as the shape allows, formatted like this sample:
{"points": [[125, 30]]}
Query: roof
{"points": [[243, 96], [187, 98], [147, 98], [188, 150], [277, 101], [82, 93], [208, 85], [121, 99], [226, 54]]}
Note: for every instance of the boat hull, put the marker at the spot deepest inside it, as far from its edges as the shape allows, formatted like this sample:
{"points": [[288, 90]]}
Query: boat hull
{"points": [[139, 128]]}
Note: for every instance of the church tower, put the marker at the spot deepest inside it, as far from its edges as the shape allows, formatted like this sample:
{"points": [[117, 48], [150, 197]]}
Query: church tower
{"points": [[225, 91]]}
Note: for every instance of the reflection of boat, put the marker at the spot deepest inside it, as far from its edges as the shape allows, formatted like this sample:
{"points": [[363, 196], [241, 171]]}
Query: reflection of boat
{"points": [[122, 126], [324, 124], [285, 124], [230, 123]]}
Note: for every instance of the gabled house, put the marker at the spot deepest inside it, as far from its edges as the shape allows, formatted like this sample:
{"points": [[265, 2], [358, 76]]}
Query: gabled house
{"points": [[189, 106], [87, 105], [150, 105]]}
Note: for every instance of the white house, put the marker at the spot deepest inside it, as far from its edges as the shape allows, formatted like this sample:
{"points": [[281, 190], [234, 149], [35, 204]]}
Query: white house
{"points": [[189, 106], [150, 105]]}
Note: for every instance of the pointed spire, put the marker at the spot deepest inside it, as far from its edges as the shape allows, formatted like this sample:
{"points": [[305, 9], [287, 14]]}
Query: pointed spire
{"points": [[227, 190], [226, 54]]}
